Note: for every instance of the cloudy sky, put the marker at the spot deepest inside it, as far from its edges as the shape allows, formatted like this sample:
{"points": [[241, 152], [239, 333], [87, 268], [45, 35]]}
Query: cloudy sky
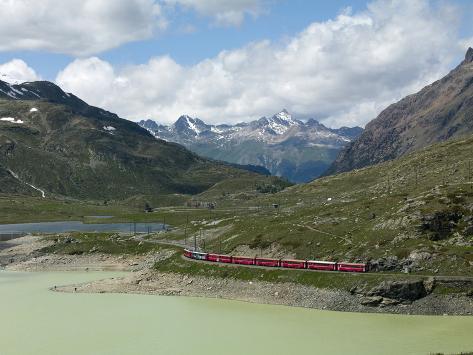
{"points": [[228, 61]]}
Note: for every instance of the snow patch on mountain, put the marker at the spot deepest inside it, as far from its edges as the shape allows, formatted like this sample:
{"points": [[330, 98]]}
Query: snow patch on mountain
{"points": [[192, 126], [285, 116], [277, 129], [12, 120]]}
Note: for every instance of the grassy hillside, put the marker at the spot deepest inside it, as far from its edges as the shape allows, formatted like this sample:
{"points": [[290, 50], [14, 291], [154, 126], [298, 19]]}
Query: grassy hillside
{"points": [[15, 208], [412, 214], [92, 154]]}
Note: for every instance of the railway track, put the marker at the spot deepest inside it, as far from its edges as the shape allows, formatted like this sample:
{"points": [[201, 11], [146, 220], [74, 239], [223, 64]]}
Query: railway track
{"points": [[367, 274]]}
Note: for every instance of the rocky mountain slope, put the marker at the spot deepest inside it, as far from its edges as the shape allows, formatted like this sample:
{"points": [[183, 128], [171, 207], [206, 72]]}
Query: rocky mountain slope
{"points": [[53, 143], [299, 151], [438, 112]]}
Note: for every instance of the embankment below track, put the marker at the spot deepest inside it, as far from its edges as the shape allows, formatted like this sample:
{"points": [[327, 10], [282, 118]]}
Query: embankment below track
{"points": [[410, 297]]}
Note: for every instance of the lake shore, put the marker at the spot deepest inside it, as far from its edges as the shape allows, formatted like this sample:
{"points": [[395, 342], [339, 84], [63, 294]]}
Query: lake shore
{"points": [[23, 254], [288, 294]]}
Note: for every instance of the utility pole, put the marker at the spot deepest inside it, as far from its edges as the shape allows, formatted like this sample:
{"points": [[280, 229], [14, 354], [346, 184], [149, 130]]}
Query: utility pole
{"points": [[185, 229], [417, 175], [195, 242], [469, 174], [201, 238]]}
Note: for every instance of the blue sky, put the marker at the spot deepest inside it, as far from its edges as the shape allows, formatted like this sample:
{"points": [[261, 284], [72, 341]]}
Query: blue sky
{"points": [[281, 19], [185, 39]]}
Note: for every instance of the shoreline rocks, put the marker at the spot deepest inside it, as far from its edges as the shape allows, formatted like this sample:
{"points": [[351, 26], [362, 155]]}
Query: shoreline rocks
{"points": [[288, 294], [410, 297]]}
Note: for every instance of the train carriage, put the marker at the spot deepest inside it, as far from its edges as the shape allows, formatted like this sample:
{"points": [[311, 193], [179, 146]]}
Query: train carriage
{"points": [[219, 258], [322, 265], [226, 259], [293, 264], [212, 257], [199, 256], [267, 262], [243, 260], [352, 267]]}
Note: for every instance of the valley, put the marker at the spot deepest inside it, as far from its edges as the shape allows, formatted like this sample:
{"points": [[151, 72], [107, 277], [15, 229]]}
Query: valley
{"points": [[236, 177], [388, 221], [409, 219]]}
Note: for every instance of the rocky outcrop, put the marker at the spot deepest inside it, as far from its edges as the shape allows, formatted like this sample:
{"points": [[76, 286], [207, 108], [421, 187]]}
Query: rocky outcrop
{"points": [[389, 263], [468, 56], [403, 291], [440, 225]]}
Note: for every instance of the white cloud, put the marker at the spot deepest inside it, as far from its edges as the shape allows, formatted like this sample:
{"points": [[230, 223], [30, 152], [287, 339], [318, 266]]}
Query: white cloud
{"points": [[343, 71], [17, 71], [226, 13], [77, 27]]}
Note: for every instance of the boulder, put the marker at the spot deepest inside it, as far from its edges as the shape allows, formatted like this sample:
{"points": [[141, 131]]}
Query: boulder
{"points": [[400, 290], [417, 255]]}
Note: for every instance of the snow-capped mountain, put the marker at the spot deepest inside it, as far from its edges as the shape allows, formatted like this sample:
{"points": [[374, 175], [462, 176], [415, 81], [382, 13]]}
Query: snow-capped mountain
{"points": [[297, 150]]}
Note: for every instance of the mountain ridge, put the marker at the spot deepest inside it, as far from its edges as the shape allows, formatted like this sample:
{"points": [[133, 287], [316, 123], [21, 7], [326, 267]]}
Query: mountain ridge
{"points": [[54, 142], [440, 111], [297, 150]]}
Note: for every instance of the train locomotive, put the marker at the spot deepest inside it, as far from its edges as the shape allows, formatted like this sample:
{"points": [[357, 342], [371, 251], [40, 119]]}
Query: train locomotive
{"points": [[282, 263]]}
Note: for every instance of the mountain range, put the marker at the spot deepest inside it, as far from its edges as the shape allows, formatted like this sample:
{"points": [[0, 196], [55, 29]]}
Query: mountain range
{"points": [[440, 111], [54, 144], [299, 151]]}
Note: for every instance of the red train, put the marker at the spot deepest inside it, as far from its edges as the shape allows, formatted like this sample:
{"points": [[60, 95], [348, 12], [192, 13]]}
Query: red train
{"points": [[284, 263]]}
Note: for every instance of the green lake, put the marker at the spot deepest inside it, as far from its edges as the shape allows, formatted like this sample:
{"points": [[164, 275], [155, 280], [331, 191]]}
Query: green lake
{"points": [[35, 320]]}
